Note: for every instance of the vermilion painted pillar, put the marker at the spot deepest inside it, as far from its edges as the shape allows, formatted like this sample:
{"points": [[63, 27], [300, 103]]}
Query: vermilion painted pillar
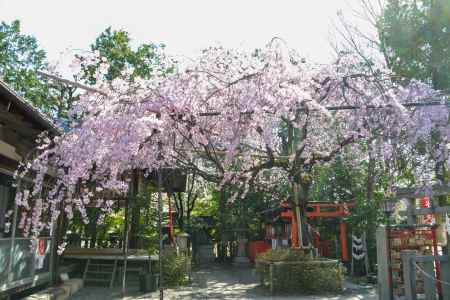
{"points": [[343, 239], [294, 231]]}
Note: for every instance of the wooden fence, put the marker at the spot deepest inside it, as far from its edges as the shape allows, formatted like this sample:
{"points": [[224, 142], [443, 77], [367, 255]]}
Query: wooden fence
{"points": [[425, 265]]}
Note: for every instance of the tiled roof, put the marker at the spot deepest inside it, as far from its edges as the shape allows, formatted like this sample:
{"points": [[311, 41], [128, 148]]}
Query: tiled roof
{"points": [[33, 112]]}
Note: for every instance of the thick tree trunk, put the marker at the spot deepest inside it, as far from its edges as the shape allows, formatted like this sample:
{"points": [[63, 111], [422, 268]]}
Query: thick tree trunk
{"points": [[299, 201], [221, 249]]}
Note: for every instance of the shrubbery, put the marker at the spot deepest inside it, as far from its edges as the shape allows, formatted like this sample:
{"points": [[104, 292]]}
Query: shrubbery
{"points": [[175, 270], [294, 271], [284, 255]]}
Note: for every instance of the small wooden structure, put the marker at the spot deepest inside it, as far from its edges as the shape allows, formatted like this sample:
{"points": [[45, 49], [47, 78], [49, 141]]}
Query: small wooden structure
{"points": [[20, 124], [103, 265], [401, 260]]}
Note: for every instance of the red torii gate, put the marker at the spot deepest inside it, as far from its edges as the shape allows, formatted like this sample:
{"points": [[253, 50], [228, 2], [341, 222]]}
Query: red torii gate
{"points": [[321, 210]]}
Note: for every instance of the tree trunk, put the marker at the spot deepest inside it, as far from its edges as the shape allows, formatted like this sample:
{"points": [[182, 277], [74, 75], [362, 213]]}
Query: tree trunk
{"points": [[299, 201], [221, 249]]}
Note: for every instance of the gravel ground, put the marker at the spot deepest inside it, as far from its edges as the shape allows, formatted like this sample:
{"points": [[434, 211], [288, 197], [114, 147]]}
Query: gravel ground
{"points": [[219, 282]]}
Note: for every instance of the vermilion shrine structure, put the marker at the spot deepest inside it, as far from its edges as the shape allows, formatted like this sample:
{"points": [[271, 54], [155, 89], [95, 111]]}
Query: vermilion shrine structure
{"points": [[281, 228]]}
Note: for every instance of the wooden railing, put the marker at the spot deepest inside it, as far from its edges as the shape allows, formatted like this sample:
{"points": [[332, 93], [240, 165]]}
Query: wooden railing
{"points": [[435, 271]]}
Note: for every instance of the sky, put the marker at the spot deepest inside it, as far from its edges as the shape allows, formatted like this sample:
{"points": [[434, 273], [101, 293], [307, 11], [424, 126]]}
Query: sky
{"points": [[185, 26]]}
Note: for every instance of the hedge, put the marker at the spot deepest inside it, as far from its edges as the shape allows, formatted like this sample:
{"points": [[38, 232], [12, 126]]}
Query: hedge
{"points": [[289, 271]]}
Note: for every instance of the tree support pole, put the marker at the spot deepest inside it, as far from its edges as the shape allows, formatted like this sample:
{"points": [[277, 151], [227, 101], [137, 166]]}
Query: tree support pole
{"points": [[161, 290], [125, 245]]}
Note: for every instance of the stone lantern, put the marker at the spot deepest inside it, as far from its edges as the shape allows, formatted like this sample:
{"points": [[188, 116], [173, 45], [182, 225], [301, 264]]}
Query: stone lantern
{"points": [[183, 249], [182, 242], [241, 255]]}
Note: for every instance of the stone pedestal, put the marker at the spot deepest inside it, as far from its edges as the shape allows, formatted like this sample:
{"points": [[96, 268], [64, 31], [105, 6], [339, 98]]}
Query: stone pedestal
{"points": [[241, 257]]}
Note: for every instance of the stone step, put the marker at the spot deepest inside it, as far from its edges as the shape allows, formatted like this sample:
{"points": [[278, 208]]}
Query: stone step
{"points": [[100, 272], [100, 265], [61, 292], [97, 279]]}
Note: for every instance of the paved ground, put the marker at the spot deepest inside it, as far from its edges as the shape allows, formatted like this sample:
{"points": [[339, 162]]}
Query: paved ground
{"points": [[221, 283]]}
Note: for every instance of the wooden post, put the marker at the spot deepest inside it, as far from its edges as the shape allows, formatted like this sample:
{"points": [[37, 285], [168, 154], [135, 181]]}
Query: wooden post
{"points": [[271, 279], [343, 239], [429, 283], [445, 277], [294, 231], [13, 241], [53, 251], [383, 276], [409, 273], [445, 268]]}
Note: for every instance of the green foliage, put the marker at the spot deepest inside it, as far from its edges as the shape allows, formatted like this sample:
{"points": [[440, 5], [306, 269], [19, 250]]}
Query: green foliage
{"points": [[338, 181], [175, 270], [115, 46], [20, 58], [415, 38], [289, 254], [113, 224], [246, 213], [295, 272], [206, 206]]}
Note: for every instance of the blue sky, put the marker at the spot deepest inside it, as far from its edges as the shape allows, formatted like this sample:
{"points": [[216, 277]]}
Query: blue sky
{"points": [[185, 26]]}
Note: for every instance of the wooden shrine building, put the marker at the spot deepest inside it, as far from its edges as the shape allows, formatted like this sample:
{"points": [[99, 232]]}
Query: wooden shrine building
{"points": [[20, 124]]}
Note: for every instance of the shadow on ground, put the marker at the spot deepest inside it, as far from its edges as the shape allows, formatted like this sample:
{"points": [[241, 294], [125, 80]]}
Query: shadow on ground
{"points": [[219, 282]]}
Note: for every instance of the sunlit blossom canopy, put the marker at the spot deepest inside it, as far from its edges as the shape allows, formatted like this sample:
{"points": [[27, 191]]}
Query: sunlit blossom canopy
{"points": [[223, 114]]}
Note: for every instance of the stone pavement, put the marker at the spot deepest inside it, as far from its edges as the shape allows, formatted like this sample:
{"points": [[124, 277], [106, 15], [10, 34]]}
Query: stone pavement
{"points": [[219, 282]]}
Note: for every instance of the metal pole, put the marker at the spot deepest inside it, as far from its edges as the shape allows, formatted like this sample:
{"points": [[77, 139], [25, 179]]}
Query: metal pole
{"points": [[161, 290], [13, 236], [125, 244]]}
